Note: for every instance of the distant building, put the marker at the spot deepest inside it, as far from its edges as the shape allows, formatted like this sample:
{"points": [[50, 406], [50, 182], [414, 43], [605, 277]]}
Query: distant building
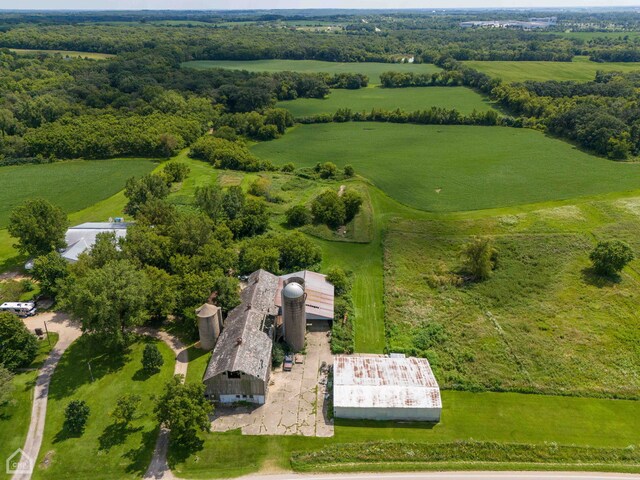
{"points": [[533, 23], [385, 388], [82, 238]]}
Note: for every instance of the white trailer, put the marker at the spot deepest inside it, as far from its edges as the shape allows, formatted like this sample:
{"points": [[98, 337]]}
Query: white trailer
{"points": [[22, 309]]}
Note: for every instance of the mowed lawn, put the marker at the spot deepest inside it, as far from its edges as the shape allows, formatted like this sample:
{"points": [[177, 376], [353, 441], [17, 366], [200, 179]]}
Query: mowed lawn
{"points": [[409, 99], [16, 415], [72, 185], [580, 70], [454, 168], [371, 69], [104, 451], [500, 417]]}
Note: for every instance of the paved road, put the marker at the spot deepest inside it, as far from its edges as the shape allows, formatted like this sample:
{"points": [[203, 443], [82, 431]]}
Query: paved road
{"points": [[68, 331], [451, 476]]}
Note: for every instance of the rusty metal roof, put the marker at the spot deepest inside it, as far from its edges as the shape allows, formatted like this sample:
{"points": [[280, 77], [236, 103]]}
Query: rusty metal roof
{"points": [[383, 382], [242, 346], [320, 293]]}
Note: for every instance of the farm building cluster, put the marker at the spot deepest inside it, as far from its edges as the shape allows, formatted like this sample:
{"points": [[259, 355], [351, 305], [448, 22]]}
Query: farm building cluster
{"points": [[280, 308], [531, 24]]}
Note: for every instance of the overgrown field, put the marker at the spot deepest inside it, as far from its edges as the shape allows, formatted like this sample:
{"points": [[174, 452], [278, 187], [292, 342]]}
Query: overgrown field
{"points": [[105, 450], [408, 99], [72, 185], [579, 70], [544, 322], [455, 168], [371, 69]]}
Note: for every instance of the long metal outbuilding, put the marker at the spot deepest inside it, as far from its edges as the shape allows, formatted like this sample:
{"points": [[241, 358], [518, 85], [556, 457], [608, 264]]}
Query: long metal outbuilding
{"points": [[385, 388]]}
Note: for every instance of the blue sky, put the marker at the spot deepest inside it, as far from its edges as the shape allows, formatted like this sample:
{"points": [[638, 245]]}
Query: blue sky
{"points": [[268, 4]]}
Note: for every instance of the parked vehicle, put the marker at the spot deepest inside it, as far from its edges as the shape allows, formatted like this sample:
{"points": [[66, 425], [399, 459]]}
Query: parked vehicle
{"points": [[287, 365], [22, 309]]}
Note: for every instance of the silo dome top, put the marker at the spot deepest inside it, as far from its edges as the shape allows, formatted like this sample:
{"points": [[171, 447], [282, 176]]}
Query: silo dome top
{"points": [[293, 290]]}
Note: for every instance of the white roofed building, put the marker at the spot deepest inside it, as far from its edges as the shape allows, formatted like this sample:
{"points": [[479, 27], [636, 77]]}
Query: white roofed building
{"points": [[385, 388], [81, 238]]}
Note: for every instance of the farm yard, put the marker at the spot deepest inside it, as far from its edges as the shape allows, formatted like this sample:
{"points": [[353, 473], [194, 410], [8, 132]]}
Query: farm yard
{"points": [[455, 168], [580, 70], [371, 69], [538, 361], [408, 99]]}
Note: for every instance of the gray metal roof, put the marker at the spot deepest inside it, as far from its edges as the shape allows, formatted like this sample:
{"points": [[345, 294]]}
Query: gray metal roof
{"points": [[320, 294], [242, 346], [82, 238], [384, 382]]}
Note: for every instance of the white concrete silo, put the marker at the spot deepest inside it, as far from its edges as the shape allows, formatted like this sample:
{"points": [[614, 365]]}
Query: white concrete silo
{"points": [[294, 316]]}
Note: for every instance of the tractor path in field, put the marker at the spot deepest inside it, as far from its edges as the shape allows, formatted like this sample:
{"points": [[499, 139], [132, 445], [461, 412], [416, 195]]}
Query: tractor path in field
{"points": [[159, 467], [68, 331]]}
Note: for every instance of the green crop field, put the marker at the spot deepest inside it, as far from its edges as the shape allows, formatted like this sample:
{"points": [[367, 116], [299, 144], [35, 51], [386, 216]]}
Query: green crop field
{"points": [[409, 99], [455, 168], [597, 35], [371, 69], [64, 53], [579, 70], [72, 185]]}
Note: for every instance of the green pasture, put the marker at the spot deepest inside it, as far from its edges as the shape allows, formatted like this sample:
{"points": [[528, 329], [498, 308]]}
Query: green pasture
{"points": [[64, 53], [16, 415], [408, 99], [104, 450], [455, 168], [371, 69], [579, 70]]}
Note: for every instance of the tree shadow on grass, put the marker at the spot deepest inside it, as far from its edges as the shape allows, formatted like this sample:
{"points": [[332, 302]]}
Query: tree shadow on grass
{"points": [[590, 277], [140, 457], [115, 434], [181, 449], [66, 434], [141, 375], [85, 360]]}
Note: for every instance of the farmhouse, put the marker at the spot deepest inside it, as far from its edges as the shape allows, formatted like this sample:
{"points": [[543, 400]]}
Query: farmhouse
{"points": [[271, 308], [385, 388], [82, 237]]}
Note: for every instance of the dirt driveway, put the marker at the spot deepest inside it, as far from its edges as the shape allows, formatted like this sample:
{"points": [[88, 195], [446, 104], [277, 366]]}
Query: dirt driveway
{"points": [[295, 401]]}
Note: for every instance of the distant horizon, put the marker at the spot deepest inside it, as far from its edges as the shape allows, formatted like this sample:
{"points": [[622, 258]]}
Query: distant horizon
{"points": [[275, 5]]}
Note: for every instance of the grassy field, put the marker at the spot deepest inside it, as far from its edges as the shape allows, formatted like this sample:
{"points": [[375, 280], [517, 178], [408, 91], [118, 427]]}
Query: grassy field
{"points": [[72, 185], [543, 322], [408, 99], [371, 69], [104, 451], [501, 417], [15, 416], [578, 70], [64, 53], [455, 168], [586, 36]]}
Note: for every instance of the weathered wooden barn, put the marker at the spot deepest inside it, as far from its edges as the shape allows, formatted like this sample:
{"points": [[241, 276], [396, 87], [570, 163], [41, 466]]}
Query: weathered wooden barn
{"points": [[241, 360]]}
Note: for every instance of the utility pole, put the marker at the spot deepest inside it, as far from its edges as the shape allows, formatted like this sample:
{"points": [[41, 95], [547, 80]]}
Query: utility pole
{"points": [[47, 330]]}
